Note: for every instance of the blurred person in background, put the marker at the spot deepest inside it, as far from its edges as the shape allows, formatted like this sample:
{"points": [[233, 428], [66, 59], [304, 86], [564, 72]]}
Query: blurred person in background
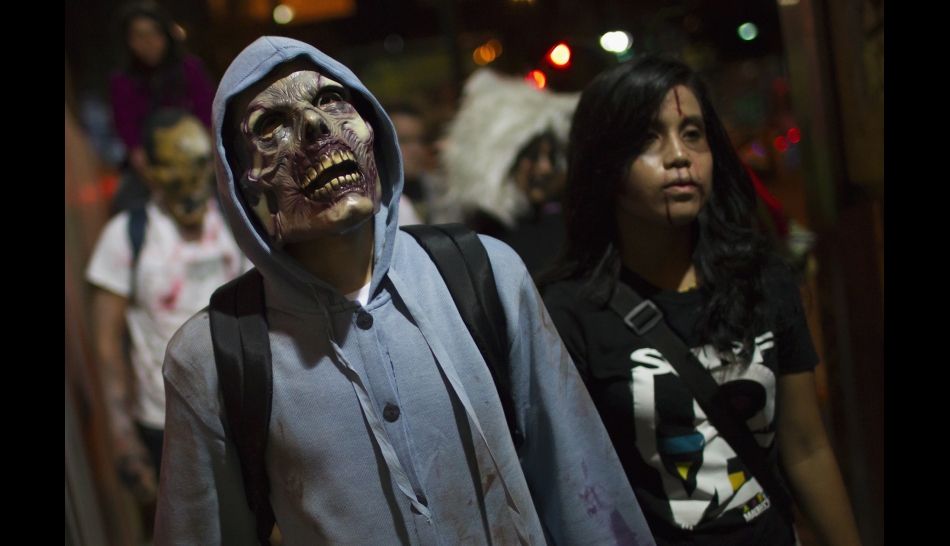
{"points": [[158, 73], [504, 163], [155, 266], [660, 213], [422, 189]]}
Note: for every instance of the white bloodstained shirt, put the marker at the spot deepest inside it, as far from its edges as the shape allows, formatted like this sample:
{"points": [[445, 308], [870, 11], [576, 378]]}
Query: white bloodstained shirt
{"points": [[174, 279]]}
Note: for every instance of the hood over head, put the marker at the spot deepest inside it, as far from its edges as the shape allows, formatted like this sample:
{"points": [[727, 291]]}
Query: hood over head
{"points": [[252, 65], [499, 115]]}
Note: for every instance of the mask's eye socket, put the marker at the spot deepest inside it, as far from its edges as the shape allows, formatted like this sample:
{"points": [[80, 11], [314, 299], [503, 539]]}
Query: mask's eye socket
{"points": [[330, 96], [269, 124]]}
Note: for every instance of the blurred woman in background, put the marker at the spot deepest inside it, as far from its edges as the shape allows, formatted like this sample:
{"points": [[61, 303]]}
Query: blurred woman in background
{"points": [[158, 74], [659, 205]]}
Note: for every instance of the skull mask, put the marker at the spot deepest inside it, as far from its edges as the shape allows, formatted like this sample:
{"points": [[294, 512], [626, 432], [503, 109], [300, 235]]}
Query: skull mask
{"points": [[312, 171], [181, 169]]}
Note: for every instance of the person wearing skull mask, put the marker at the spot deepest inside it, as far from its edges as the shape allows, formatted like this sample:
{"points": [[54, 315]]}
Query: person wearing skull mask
{"points": [[385, 424], [148, 282]]}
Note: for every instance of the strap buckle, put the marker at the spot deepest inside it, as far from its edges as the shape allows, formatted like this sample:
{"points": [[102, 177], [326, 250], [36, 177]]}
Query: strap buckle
{"points": [[643, 317]]}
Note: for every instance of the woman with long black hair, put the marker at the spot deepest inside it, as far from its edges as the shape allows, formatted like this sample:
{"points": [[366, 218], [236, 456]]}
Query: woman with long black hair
{"points": [[158, 74], [660, 209]]}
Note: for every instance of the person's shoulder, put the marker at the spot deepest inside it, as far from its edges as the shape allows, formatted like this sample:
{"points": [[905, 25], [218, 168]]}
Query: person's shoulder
{"points": [[194, 334], [499, 250], [193, 65], [111, 260], [778, 279], [782, 290], [507, 266], [190, 350], [116, 231], [192, 61], [565, 293], [121, 80]]}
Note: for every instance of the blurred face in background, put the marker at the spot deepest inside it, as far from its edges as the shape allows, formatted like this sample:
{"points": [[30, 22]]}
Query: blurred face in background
{"points": [[538, 172], [182, 170], [147, 41], [411, 133]]}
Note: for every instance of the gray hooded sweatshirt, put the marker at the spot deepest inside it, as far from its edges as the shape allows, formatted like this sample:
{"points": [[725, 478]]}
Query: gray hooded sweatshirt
{"points": [[444, 470]]}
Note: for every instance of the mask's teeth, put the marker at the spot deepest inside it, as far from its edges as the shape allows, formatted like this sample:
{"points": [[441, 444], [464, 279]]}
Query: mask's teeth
{"points": [[326, 162], [336, 183], [311, 174], [337, 156]]}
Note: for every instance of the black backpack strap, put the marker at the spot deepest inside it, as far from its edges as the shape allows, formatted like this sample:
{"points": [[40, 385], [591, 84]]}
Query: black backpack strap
{"points": [[646, 320], [138, 220], [243, 361], [463, 263]]}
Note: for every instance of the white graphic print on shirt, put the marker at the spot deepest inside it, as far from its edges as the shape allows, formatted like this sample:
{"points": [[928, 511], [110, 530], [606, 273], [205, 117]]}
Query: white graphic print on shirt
{"points": [[701, 474]]}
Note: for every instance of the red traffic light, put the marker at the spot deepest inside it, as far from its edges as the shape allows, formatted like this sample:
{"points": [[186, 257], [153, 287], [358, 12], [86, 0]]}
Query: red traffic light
{"points": [[536, 79], [560, 55]]}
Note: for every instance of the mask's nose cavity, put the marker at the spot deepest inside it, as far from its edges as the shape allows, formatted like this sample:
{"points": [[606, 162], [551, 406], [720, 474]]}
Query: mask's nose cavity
{"points": [[315, 128]]}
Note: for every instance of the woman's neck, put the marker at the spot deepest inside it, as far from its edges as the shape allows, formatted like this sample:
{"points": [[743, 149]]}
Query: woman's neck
{"points": [[661, 254]]}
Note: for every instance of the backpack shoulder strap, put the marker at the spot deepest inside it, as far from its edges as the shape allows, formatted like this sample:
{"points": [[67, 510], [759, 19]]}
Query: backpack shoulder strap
{"points": [[243, 361], [464, 265], [138, 220]]}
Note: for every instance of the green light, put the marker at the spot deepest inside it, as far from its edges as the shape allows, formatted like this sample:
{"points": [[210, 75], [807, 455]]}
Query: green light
{"points": [[748, 31]]}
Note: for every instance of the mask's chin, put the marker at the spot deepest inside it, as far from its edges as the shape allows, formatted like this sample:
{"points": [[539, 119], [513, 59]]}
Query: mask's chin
{"points": [[190, 211], [338, 219]]}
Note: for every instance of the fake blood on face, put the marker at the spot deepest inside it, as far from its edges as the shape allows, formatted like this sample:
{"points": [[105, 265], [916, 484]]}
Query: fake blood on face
{"points": [[669, 181]]}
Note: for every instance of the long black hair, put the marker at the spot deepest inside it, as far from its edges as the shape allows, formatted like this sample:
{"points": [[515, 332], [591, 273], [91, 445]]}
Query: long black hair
{"points": [[609, 131]]}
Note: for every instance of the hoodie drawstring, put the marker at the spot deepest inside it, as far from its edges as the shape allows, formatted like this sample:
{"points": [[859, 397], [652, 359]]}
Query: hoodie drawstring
{"points": [[448, 368], [369, 413]]}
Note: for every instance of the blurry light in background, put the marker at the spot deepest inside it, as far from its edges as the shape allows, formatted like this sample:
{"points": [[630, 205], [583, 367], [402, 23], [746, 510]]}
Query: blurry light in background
{"points": [[536, 79], [757, 149], [794, 135], [560, 55], [781, 144], [616, 41], [787, 2], [487, 52], [748, 31], [179, 32], [283, 14]]}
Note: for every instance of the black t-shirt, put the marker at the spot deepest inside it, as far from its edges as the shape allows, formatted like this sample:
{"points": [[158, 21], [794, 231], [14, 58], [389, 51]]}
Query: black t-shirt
{"points": [[692, 487]]}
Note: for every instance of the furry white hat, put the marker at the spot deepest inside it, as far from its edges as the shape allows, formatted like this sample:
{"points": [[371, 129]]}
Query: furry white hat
{"points": [[498, 116]]}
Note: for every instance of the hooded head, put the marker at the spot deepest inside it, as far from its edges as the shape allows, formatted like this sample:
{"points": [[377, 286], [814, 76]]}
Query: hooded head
{"points": [[304, 151], [501, 123]]}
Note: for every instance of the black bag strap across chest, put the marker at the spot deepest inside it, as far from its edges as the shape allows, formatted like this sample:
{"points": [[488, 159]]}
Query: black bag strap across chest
{"points": [[646, 320], [243, 358], [243, 361]]}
